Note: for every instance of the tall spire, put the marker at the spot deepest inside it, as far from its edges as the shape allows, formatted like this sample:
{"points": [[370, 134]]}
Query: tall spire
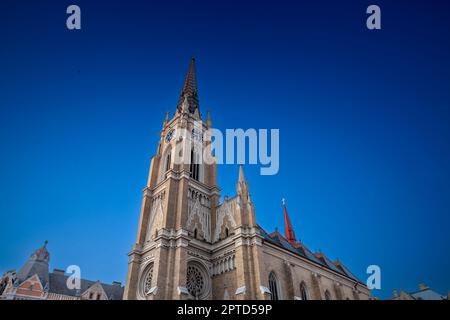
{"points": [[189, 90], [288, 230]]}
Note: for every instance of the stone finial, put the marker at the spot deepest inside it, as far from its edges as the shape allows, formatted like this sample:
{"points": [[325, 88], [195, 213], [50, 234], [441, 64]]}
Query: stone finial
{"points": [[395, 293], [208, 119]]}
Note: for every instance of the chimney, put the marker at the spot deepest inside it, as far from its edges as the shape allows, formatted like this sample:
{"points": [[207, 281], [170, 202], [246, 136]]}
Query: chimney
{"points": [[117, 283], [395, 293], [59, 272], [422, 286]]}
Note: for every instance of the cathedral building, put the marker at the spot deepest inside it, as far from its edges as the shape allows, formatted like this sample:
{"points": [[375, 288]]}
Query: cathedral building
{"points": [[191, 245], [34, 282]]}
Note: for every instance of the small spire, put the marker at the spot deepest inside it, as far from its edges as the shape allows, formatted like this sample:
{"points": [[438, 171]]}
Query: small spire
{"points": [[208, 119], [167, 116], [241, 174], [288, 229]]}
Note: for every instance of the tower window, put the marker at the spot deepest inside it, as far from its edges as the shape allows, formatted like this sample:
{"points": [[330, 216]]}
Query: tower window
{"points": [[327, 295], [168, 162], [195, 167], [195, 233], [227, 232]]}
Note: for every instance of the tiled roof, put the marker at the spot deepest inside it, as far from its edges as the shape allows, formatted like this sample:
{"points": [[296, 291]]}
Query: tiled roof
{"points": [[58, 285], [427, 294], [299, 248]]}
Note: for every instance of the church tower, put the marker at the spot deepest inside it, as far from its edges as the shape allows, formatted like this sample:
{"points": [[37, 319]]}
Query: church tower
{"points": [[178, 207], [190, 246]]}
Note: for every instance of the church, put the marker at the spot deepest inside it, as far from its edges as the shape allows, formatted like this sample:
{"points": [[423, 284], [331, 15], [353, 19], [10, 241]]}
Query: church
{"points": [[191, 245]]}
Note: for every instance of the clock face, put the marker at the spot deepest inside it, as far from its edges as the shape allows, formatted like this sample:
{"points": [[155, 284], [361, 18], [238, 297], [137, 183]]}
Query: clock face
{"points": [[169, 135]]}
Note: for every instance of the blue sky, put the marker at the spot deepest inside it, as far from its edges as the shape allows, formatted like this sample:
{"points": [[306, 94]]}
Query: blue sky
{"points": [[363, 119]]}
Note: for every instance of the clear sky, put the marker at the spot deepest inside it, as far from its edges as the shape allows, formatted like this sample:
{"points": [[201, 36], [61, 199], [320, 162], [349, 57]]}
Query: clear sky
{"points": [[363, 118]]}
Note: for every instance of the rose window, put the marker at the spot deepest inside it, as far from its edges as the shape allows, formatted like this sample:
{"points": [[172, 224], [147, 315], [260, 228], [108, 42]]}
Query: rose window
{"points": [[148, 280], [195, 282]]}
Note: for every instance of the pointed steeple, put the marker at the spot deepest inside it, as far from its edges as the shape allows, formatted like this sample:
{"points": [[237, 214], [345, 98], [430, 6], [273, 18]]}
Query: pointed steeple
{"points": [[288, 230], [189, 91], [36, 264]]}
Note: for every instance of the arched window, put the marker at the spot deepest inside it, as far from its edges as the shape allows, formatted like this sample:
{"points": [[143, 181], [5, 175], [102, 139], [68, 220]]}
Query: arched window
{"points": [[168, 162], [273, 286], [195, 166], [165, 164], [227, 232], [327, 295], [195, 233], [303, 291], [146, 283]]}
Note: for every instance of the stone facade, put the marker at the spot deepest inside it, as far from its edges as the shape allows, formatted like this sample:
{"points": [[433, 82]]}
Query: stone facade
{"points": [[191, 246]]}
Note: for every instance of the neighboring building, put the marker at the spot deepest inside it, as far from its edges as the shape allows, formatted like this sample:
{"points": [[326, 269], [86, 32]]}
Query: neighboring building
{"points": [[35, 282], [424, 293], [190, 246]]}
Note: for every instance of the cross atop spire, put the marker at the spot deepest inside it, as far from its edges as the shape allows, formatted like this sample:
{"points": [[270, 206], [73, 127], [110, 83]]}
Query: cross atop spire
{"points": [[189, 90], [288, 230]]}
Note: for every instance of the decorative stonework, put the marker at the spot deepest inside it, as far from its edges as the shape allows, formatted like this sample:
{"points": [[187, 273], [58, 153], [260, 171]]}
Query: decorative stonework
{"points": [[199, 213], [225, 210], [156, 216], [224, 264]]}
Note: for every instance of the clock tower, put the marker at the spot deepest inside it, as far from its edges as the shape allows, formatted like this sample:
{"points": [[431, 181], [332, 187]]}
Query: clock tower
{"points": [[178, 209]]}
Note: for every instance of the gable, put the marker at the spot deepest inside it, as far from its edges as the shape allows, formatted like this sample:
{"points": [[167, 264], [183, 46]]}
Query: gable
{"points": [[32, 287], [94, 292]]}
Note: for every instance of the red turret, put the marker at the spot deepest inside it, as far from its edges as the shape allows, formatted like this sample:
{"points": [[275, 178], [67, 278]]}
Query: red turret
{"points": [[288, 230]]}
